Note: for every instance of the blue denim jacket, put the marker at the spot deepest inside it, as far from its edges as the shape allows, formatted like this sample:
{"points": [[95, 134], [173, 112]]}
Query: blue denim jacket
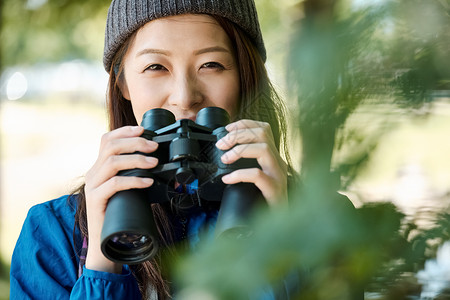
{"points": [[45, 260]]}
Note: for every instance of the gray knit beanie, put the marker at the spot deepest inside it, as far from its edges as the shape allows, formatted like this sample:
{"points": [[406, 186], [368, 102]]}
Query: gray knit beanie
{"points": [[126, 16]]}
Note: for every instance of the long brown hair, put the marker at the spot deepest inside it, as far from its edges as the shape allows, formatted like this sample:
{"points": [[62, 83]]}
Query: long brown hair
{"points": [[258, 101]]}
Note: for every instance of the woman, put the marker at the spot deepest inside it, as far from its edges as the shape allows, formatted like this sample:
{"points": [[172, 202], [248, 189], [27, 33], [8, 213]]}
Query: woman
{"points": [[181, 56]]}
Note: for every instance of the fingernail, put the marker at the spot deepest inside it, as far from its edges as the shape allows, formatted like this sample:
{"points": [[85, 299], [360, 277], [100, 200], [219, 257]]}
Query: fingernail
{"points": [[224, 158], [152, 144], [151, 159], [220, 143], [147, 180], [225, 178], [136, 128]]}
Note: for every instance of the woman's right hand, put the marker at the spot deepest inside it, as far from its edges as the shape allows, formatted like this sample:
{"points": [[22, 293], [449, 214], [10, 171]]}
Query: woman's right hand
{"points": [[102, 183]]}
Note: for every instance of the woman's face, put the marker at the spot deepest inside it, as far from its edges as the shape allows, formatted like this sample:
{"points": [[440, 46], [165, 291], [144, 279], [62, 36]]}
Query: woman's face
{"points": [[183, 64]]}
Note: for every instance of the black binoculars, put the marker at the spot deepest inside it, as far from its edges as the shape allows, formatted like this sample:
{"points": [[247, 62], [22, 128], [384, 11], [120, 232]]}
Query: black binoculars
{"points": [[187, 154]]}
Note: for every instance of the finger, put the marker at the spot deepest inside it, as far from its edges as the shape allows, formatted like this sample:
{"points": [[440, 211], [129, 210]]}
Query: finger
{"points": [[128, 145], [123, 132], [124, 146], [114, 139], [117, 184], [268, 187], [116, 163], [131, 161], [243, 136], [262, 152]]}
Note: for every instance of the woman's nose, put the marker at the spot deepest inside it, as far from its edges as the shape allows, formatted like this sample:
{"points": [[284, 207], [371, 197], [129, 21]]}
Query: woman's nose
{"points": [[185, 93]]}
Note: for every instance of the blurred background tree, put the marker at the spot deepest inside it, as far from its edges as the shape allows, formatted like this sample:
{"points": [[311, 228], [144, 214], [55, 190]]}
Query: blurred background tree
{"points": [[52, 30]]}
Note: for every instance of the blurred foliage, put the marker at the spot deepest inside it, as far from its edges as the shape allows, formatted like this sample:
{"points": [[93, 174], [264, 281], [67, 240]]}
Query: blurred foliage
{"points": [[317, 248], [420, 43], [4, 280], [51, 30], [341, 56]]}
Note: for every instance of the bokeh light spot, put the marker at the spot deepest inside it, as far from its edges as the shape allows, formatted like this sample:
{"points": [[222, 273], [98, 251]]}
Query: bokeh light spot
{"points": [[17, 86]]}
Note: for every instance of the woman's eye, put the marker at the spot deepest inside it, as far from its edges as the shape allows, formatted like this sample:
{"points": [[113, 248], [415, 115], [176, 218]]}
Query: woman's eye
{"points": [[213, 65], [155, 67]]}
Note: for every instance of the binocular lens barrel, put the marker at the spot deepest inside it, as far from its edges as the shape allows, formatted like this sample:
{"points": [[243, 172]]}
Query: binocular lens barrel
{"points": [[129, 234], [238, 201]]}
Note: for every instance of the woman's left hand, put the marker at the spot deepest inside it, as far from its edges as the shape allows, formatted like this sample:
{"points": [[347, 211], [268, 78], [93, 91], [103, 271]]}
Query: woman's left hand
{"points": [[254, 139]]}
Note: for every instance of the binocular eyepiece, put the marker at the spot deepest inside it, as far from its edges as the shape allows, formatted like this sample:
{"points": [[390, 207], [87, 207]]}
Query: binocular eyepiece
{"points": [[187, 154]]}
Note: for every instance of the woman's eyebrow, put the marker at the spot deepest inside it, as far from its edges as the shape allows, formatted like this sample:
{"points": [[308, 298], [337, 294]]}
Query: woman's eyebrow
{"points": [[153, 51], [211, 49], [168, 53]]}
